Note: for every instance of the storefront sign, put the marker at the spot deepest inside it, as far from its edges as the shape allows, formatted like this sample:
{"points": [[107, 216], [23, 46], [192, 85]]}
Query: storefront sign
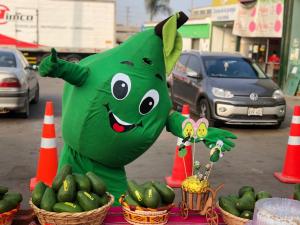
{"points": [[224, 13], [216, 3], [263, 19]]}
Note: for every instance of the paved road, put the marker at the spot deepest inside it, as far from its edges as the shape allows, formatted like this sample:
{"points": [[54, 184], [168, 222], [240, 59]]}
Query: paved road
{"points": [[258, 153]]}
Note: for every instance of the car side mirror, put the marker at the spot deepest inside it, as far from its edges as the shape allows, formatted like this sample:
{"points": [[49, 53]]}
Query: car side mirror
{"points": [[194, 74], [31, 67], [35, 67]]}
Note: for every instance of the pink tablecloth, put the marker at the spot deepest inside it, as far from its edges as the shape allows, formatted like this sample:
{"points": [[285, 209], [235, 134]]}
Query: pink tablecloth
{"points": [[115, 217]]}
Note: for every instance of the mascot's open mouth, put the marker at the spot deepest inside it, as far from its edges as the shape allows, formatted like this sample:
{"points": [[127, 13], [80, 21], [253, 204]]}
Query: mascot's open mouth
{"points": [[116, 123]]}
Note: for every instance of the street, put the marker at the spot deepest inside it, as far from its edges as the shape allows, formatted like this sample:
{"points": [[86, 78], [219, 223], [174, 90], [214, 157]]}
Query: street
{"points": [[258, 153]]}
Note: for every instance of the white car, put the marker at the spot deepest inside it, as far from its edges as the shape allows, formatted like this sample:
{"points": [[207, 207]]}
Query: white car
{"points": [[18, 83]]}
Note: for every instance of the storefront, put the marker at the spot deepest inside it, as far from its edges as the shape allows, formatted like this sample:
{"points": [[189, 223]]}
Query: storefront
{"points": [[196, 35], [259, 24], [222, 16]]}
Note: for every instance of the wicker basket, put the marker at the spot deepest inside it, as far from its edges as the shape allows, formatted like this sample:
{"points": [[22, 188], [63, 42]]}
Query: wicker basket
{"points": [[230, 219], [143, 216], [7, 217], [92, 217], [195, 201]]}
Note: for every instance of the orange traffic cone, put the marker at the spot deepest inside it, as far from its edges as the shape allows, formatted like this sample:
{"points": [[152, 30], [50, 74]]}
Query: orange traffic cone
{"points": [[182, 167], [47, 165], [291, 168]]}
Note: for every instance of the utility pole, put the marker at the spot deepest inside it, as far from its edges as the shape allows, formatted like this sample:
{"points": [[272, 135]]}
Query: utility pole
{"points": [[192, 4], [127, 15]]}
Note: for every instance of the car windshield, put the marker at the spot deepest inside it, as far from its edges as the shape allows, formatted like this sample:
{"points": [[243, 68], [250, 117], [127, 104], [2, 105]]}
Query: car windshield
{"points": [[232, 67], [7, 59]]}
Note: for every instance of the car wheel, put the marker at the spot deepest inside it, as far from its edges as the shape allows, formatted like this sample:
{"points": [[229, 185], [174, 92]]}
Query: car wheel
{"points": [[24, 113], [74, 58], [204, 111], [36, 98]]}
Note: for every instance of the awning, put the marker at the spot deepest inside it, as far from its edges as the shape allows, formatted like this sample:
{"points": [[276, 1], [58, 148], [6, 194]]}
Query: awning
{"points": [[9, 41], [195, 30]]}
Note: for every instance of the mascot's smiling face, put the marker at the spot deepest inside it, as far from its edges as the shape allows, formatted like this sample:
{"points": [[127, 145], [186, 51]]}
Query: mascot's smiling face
{"points": [[128, 105], [122, 107]]}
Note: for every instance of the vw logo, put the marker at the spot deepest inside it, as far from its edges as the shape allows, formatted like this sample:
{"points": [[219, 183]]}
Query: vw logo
{"points": [[254, 96]]}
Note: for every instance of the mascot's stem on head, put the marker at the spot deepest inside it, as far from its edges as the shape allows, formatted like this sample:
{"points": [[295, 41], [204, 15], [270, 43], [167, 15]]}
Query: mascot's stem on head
{"points": [[115, 104]]}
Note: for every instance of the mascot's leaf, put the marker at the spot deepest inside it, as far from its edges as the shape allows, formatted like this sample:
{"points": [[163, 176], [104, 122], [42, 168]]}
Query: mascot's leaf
{"points": [[172, 43], [182, 153]]}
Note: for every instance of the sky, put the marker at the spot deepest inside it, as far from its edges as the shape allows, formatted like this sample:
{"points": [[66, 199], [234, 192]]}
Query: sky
{"points": [[135, 9]]}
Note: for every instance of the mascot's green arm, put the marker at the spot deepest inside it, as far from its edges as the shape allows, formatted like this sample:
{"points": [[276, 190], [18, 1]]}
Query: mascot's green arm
{"points": [[73, 73], [174, 125]]}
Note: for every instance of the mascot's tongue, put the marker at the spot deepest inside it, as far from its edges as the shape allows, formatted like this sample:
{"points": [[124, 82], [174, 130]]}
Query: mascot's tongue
{"points": [[118, 128]]}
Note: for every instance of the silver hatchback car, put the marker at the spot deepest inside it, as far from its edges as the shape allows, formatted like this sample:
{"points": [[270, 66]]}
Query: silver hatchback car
{"points": [[226, 88], [18, 83]]}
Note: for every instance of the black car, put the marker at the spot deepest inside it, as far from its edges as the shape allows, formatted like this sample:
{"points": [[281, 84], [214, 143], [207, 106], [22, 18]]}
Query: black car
{"points": [[226, 87]]}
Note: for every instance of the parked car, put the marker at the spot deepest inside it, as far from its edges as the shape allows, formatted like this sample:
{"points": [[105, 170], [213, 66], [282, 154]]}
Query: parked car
{"points": [[226, 87], [18, 83]]}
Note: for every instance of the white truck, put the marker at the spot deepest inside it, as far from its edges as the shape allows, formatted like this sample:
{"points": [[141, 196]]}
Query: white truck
{"points": [[76, 28]]}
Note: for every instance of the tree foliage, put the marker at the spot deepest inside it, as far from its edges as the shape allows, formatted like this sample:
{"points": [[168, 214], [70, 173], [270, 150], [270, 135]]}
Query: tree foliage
{"points": [[155, 7]]}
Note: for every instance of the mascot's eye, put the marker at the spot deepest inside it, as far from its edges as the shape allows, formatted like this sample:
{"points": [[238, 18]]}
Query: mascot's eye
{"points": [[120, 86], [149, 101]]}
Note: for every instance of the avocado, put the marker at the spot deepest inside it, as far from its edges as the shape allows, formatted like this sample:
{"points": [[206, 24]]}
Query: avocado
{"points": [[247, 214], [130, 201], [83, 182], [262, 195], [227, 205], [6, 206], [233, 198], [87, 201], [246, 202], [102, 200], [48, 200], [67, 191], [245, 189], [3, 190], [147, 184], [151, 198], [61, 176], [13, 197], [37, 193], [136, 192], [67, 207], [98, 186], [167, 193]]}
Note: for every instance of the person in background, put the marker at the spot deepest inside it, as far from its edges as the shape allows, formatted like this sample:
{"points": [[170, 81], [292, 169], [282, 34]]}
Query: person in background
{"points": [[274, 58]]}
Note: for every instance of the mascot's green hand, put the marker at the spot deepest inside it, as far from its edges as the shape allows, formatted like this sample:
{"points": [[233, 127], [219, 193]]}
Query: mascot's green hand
{"points": [[215, 134], [72, 73], [49, 64]]}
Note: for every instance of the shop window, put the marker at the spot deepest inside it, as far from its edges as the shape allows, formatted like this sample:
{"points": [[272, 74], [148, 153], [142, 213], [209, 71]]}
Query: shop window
{"points": [[196, 43]]}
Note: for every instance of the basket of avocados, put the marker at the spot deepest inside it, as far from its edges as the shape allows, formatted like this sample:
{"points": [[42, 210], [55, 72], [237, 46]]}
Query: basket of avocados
{"points": [[238, 209], [9, 205], [73, 199], [148, 203], [230, 218]]}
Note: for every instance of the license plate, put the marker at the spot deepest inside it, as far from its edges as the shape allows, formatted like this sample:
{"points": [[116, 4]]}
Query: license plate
{"points": [[255, 111]]}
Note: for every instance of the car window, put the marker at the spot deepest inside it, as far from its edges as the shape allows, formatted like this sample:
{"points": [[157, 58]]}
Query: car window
{"points": [[181, 64], [7, 59], [231, 67], [193, 64], [23, 60]]}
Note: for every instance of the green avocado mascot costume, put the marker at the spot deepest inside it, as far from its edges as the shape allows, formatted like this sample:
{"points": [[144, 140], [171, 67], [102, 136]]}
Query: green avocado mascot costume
{"points": [[116, 104]]}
